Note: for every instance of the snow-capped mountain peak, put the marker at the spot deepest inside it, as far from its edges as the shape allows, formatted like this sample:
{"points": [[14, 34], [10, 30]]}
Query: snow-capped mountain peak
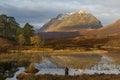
{"points": [[82, 12], [74, 21], [62, 16]]}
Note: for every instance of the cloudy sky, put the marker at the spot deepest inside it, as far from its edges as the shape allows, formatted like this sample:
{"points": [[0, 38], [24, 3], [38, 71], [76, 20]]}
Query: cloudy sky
{"points": [[36, 12]]}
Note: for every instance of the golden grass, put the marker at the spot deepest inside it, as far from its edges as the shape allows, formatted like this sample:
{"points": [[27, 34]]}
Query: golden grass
{"points": [[74, 52], [23, 76]]}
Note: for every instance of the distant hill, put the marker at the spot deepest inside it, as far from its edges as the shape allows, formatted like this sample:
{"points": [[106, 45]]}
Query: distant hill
{"points": [[112, 29], [72, 22], [109, 30]]}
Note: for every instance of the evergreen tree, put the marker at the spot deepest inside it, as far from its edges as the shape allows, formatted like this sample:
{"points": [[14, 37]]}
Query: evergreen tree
{"points": [[3, 25], [8, 26], [13, 26], [29, 32]]}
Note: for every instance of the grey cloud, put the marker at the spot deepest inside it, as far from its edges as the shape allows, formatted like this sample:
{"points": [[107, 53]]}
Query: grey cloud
{"points": [[38, 11]]}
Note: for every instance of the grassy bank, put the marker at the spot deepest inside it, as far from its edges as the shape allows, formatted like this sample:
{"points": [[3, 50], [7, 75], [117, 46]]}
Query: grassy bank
{"points": [[60, 77]]}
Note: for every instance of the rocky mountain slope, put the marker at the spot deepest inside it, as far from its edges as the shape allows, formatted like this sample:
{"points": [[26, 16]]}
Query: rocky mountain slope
{"points": [[72, 22], [76, 24]]}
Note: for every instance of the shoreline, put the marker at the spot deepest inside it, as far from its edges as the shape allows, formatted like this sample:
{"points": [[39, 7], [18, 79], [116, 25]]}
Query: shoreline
{"points": [[75, 77]]}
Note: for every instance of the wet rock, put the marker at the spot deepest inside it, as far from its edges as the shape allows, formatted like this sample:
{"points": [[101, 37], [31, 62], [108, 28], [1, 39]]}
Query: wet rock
{"points": [[31, 69], [21, 76], [25, 76]]}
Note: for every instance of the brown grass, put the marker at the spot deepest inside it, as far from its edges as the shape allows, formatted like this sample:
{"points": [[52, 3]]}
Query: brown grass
{"points": [[61, 77]]}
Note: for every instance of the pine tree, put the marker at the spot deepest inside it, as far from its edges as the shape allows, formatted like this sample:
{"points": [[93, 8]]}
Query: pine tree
{"points": [[28, 31], [8, 26]]}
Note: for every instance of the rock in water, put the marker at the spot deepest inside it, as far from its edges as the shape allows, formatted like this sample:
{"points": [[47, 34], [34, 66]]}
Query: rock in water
{"points": [[31, 69]]}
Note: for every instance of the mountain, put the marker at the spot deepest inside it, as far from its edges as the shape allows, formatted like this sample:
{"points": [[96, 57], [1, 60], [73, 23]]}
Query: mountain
{"points": [[109, 30], [72, 22], [112, 29]]}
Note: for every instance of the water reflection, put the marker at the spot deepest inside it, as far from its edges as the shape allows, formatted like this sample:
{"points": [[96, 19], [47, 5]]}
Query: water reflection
{"points": [[105, 65]]}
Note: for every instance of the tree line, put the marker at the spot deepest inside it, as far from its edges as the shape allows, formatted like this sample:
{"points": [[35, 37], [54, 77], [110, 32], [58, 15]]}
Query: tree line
{"points": [[10, 29]]}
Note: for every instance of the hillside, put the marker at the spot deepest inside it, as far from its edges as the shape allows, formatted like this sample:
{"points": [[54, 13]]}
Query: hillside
{"points": [[109, 30], [85, 42], [112, 29]]}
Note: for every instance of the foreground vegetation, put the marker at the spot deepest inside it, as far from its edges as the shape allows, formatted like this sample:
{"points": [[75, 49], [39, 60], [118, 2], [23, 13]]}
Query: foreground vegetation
{"points": [[10, 62], [60, 77]]}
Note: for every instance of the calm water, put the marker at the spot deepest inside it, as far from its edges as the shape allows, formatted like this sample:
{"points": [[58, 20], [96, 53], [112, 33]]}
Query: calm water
{"points": [[105, 65]]}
